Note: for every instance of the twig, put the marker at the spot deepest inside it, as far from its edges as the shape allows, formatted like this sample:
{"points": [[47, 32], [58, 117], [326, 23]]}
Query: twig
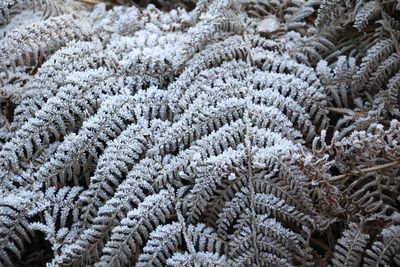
{"points": [[370, 169], [91, 2], [345, 111], [95, 2], [341, 110], [350, 112]]}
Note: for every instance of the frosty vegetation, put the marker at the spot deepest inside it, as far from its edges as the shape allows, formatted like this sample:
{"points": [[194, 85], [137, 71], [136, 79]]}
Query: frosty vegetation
{"points": [[199, 133]]}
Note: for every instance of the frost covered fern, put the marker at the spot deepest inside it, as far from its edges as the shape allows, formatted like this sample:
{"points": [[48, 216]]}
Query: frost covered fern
{"points": [[208, 133]]}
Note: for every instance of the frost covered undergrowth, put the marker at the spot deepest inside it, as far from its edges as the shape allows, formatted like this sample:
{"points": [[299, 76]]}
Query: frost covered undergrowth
{"points": [[216, 133]]}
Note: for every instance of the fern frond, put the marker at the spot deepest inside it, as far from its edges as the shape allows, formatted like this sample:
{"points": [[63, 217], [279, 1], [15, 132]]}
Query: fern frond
{"points": [[394, 93], [374, 58], [206, 239], [116, 161], [61, 209], [14, 225], [51, 76], [384, 72], [365, 14], [135, 228], [29, 46], [270, 204], [350, 247], [163, 242], [111, 118], [385, 252], [206, 259], [131, 194], [8, 8], [62, 206]]}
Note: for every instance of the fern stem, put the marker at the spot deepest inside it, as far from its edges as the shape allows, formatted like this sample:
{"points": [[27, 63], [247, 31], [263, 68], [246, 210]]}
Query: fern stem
{"points": [[252, 191], [370, 169], [390, 30]]}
